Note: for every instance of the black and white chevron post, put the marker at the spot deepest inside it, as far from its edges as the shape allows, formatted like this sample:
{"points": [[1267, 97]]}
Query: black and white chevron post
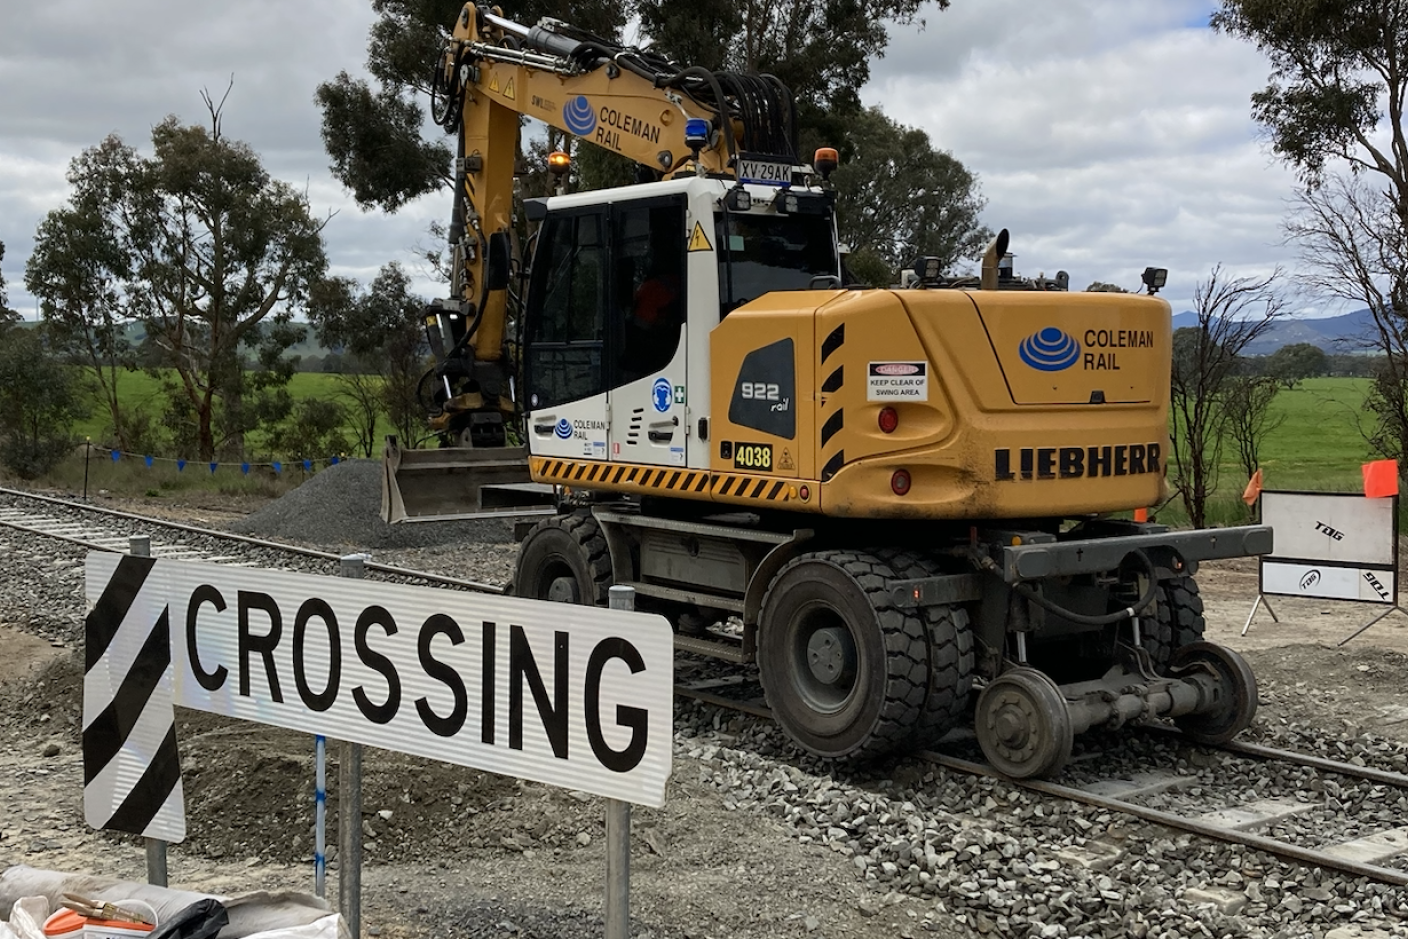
{"points": [[131, 770]]}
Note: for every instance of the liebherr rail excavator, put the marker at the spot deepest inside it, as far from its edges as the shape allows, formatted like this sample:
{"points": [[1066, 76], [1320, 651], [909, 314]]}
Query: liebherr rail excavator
{"points": [[900, 503]]}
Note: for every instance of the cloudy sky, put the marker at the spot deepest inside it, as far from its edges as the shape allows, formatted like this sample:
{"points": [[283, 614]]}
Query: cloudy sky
{"points": [[1108, 135]]}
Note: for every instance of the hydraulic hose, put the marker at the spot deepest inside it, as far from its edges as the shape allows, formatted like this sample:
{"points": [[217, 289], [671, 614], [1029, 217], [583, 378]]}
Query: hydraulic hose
{"points": [[1106, 619]]}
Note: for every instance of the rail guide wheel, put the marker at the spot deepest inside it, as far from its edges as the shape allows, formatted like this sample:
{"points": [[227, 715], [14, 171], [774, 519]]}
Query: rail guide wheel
{"points": [[1236, 692], [1023, 724]]}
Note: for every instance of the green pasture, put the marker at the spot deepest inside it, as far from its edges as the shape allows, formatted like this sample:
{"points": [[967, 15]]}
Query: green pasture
{"points": [[1319, 444], [143, 390]]}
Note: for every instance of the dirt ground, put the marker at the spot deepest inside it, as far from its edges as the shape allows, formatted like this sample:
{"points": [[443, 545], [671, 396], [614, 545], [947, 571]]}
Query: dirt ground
{"points": [[461, 853]]}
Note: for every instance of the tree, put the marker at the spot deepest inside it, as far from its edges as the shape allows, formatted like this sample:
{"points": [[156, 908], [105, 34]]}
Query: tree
{"points": [[1334, 111], [1247, 405], [821, 51], [1354, 246], [373, 135], [1298, 361], [1232, 313], [213, 257], [381, 328], [899, 198], [40, 399], [8, 317], [81, 274]]}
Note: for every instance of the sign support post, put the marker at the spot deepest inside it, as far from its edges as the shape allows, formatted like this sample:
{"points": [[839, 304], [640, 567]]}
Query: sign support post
{"points": [[141, 546], [349, 808], [618, 827], [1260, 602], [1397, 609]]}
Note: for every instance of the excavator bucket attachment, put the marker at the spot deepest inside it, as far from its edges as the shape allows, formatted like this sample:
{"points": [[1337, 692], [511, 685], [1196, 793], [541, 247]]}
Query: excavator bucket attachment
{"points": [[458, 483]]}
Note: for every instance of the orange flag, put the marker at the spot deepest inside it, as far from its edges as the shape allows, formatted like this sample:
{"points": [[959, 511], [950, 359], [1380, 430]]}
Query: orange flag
{"points": [[1253, 490], [1381, 479]]}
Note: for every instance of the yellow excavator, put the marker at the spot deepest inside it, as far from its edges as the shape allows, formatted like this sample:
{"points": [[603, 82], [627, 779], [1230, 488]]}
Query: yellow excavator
{"points": [[906, 506]]}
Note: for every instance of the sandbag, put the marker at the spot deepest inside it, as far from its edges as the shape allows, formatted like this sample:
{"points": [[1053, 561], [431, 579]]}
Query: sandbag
{"points": [[260, 911]]}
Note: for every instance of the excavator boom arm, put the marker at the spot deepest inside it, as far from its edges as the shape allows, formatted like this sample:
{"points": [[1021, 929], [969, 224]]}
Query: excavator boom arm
{"points": [[621, 99]]}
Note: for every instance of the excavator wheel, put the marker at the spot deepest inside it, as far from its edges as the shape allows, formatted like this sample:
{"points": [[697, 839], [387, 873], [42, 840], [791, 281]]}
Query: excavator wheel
{"points": [[564, 559], [845, 671], [1177, 620], [950, 635]]}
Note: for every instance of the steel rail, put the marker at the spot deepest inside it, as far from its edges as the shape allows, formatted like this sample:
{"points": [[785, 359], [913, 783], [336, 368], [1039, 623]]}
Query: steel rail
{"points": [[1271, 846], [1170, 820], [1260, 751], [232, 536]]}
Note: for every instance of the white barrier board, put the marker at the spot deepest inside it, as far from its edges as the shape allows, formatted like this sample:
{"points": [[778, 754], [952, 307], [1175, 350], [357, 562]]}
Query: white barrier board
{"points": [[567, 695], [1334, 546]]}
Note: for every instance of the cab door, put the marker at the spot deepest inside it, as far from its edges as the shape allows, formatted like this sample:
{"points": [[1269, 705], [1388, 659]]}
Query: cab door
{"points": [[648, 337], [567, 368]]}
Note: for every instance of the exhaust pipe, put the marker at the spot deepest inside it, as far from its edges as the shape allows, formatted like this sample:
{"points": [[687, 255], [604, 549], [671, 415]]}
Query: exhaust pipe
{"points": [[991, 258]]}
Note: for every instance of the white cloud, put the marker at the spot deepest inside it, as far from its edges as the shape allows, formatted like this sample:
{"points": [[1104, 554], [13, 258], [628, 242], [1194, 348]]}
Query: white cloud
{"points": [[1107, 135]]}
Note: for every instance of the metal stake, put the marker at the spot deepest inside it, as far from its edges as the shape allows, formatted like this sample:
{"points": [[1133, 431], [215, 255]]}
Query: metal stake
{"points": [[618, 828], [141, 546], [320, 815], [87, 451], [1262, 601], [349, 813]]}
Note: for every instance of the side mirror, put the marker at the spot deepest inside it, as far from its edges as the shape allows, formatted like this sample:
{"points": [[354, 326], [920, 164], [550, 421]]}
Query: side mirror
{"points": [[497, 262]]}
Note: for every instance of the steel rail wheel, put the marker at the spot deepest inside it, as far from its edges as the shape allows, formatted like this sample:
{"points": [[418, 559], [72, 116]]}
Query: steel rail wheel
{"points": [[1237, 692], [845, 671], [1023, 725]]}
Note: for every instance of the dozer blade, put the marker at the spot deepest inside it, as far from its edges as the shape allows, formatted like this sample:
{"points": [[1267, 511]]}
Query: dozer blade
{"points": [[458, 483]]}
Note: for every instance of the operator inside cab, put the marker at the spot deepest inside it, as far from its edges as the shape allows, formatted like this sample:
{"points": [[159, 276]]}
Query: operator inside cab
{"points": [[652, 290]]}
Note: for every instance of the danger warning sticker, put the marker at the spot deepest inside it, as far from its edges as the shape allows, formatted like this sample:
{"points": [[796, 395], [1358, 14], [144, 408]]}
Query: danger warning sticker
{"points": [[898, 381]]}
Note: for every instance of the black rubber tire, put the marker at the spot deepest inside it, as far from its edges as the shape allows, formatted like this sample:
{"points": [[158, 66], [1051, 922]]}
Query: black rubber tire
{"points": [[949, 632], [841, 600], [570, 550], [1177, 621]]}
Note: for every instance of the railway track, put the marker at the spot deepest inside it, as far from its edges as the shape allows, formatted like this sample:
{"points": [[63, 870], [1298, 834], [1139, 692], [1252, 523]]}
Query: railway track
{"points": [[1156, 796], [1203, 813], [105, 529]]}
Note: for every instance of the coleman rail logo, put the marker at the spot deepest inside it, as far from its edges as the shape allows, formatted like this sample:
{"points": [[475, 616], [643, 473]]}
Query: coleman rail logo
{"points": [[563, 430], [1049, 350], [579, 117]]}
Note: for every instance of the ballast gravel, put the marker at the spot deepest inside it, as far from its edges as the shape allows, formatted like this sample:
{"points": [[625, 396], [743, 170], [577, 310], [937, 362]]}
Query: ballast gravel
{"points": [[926, 850]]}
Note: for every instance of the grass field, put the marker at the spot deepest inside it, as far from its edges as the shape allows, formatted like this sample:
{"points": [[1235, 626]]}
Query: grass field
{"points": [[1320, 444], [141, 390]]}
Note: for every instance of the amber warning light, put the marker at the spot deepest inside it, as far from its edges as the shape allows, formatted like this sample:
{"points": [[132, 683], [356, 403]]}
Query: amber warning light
{"points": [[559, 162]]}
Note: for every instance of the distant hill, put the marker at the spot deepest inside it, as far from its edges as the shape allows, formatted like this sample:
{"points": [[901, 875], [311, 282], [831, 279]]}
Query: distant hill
{"points": [[1347, 333]]}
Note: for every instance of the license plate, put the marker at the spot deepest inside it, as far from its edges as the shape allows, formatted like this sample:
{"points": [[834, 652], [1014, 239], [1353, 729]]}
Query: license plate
{"points": [[767, 172]]}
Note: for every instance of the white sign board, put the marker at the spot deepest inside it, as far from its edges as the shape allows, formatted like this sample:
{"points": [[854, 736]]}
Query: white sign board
{"points": [[897, 381], [1336, 546], [568, 695]]}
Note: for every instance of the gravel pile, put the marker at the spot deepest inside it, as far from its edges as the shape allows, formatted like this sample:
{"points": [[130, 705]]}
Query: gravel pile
{"points": [[341, 507]]}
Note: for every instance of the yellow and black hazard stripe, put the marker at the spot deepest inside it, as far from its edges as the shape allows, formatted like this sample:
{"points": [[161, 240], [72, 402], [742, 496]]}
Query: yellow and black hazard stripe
{"points": [[737, 488], [832, 414]]}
